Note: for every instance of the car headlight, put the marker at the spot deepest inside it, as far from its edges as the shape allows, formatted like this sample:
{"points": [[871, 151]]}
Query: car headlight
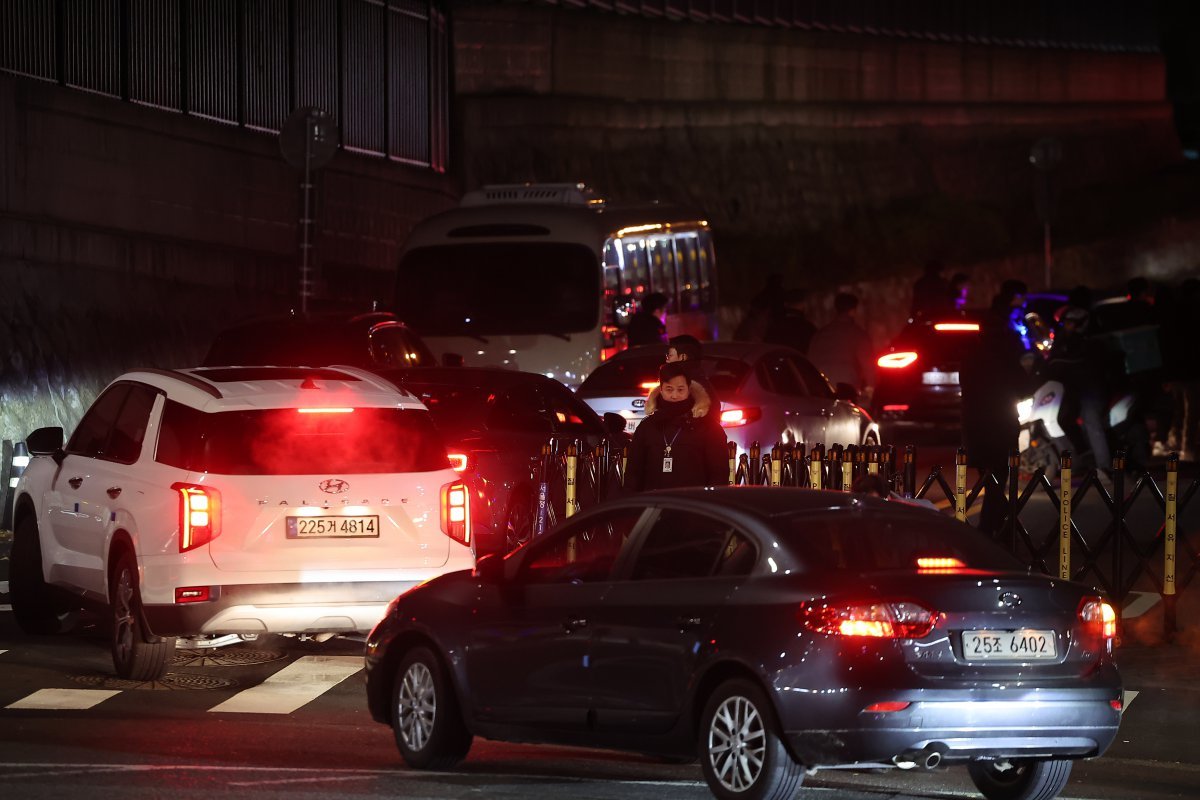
{"points": [[1025, 410]]}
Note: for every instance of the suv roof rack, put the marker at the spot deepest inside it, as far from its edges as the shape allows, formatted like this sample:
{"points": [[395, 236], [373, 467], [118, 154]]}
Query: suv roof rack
{"points": [[186, 377], [567, 194]]}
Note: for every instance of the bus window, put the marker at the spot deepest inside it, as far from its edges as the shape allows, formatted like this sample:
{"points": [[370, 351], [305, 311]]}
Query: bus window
{"points": [[636, 271], [662, 268], [688, 258], [708, 297]]}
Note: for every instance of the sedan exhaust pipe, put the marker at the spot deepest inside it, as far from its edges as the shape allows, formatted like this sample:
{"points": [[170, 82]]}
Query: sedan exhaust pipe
{"points": [[928, 758]]}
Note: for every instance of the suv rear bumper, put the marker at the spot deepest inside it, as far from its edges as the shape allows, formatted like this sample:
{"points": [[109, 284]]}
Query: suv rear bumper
{"points": [[279, 608]]}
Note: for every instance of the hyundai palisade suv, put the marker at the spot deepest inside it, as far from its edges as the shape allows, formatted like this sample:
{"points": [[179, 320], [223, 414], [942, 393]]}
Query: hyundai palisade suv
{"points": [[234, 500]]}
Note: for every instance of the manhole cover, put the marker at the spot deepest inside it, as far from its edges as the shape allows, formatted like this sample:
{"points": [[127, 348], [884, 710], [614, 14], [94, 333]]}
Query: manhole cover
{"points": [[223, 658], [170, 681]]}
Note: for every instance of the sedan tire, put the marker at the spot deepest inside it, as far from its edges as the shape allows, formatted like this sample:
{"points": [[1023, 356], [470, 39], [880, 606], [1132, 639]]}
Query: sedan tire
{"points": [[1023, 780], [426, 718], [741, 752]]}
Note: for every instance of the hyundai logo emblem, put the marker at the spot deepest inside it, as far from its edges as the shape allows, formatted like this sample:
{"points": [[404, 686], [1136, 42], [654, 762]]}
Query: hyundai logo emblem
{"points": [[639, 403], [333, 486], [1010, 600]]}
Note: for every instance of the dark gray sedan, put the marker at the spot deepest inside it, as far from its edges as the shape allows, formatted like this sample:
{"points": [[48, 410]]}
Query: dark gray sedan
{"points": [[766, 631]]}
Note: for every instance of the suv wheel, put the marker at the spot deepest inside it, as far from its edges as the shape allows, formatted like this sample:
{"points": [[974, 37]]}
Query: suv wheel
{"points": [[426, 718], [136, 655], [37, 607]]}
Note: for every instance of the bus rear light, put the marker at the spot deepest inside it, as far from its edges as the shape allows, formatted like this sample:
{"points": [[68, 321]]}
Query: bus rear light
{"points": [[199, 515], [456, 512], [736, 417], [897, 360], [882, 620]]}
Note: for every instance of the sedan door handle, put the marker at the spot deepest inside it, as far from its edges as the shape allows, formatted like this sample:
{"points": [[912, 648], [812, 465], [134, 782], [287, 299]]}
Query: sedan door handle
{"points": [[685, 623], [75, 482], [574, 623], [114, 492]]}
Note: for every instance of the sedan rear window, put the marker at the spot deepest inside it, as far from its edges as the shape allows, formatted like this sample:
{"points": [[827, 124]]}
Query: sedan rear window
{"points": [[626, 375], [287, 442], [871, 542]]}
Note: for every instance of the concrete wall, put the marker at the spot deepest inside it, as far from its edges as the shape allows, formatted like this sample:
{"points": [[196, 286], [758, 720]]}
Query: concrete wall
{"points": [[129, 235]]}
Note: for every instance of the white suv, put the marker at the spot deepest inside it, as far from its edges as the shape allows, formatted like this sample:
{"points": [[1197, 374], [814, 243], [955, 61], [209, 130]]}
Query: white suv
{"points": [[234, 500]]}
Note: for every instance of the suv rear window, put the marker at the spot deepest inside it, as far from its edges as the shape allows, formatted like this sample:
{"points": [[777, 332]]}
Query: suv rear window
{"points": [[286, 442]]}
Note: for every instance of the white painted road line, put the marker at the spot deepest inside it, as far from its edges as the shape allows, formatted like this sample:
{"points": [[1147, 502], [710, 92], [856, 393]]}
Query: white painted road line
{"points": [[3, 587], [60, 699], [1141, 603], [1126, 699], [296, 684]]}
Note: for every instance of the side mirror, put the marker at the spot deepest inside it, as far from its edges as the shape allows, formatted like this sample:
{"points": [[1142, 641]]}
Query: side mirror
{"points": [[844, 391], [452, 360], [490, 568], [614, 423], [45, 441]]}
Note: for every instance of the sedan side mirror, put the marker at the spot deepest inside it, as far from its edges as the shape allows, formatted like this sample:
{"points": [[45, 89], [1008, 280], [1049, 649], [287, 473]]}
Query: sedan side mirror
{"points": [[490, 568], [844, 391], [614, 423]]}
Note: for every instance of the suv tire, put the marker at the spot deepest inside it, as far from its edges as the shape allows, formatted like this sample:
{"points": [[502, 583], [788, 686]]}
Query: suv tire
{"points": [[37, 607], [136, 655]]}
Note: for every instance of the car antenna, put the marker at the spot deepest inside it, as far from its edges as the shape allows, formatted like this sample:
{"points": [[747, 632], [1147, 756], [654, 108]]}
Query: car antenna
{"points": [[309, 383]]}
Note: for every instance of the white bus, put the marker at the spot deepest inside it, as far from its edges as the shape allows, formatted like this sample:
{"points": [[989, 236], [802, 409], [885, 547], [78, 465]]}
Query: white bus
{"points": [[544, 277]]}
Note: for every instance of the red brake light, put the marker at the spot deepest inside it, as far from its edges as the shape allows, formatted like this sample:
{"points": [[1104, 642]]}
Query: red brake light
{"points": [[456, 512], [1098, 617], [192, 594], [736, 417], [895, 407], [459, 461], [939, 563], [896, 360], [887, 706], [649, 386], [325, 410], [199, 515], [873, 620], [957, 326]]}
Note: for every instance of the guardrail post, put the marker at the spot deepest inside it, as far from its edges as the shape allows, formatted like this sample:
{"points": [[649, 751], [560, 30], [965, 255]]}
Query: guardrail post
{"points": [[755, 464], [835, 468], [1118, 554], [543, 501], [572, 466], [776, 465], [732, 450], [1064, 516], [848, 468], [624, 464], [743, 469], [1014, 473], [815, 466], [1170, 599], [960, 485], [873, 460]]}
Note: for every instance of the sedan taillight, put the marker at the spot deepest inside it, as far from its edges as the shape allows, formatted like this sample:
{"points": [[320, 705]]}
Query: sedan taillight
{"points": [[900, 620], [199, 515], [456, 512], [1098, 618], [897, 360], [736, 417]]}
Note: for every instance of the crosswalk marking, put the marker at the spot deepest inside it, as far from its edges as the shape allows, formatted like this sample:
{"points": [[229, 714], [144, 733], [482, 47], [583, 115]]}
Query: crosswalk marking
{"points": [[298, 683], [59, 699]]}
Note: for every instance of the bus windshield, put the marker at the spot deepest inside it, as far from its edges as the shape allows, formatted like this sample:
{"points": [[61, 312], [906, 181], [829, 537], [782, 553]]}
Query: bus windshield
{"points": [[500, 288]]}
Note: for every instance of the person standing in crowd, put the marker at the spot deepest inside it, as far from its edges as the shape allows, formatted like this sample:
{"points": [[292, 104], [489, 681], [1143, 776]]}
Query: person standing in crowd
{"points": [[1182, 361], [960, 289], [790, 326], [648, 325], [672, 447], [993, 379], [1081, 364], [764, 306], [931, 293], [686, 349], [843, 350]]}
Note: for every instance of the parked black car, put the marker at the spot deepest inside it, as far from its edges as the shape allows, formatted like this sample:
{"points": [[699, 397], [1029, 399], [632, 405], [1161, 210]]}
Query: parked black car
{"points": [[495, 422], [371, 340], [766, 631]]}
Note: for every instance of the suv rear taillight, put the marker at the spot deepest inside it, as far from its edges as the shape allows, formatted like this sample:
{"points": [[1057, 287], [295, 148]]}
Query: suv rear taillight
{"points": [[199, 515], [456, 512], [874, 620], [1098, 618], [898, 360]]}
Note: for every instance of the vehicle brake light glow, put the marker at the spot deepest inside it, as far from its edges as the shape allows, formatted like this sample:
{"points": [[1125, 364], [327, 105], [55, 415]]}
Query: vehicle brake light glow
{"points": [[1098, 617], [456, 512], [199, 515], [897, 360], [883, 620], [896, 407], [956, 326], [939, 563], [325, 410], [649, 386], [736, 417], [458, 461], [886, 707]]}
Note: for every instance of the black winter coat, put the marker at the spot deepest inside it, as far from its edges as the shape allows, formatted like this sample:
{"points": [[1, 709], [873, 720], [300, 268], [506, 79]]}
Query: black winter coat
{"points": [[699, 454]]}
